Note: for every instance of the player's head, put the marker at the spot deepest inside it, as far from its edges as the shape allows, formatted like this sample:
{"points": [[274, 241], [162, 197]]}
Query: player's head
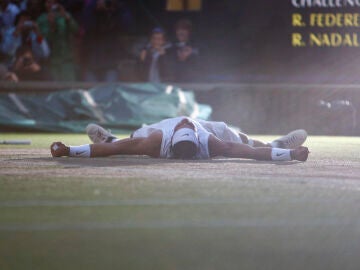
{"points": [[185, 140]]}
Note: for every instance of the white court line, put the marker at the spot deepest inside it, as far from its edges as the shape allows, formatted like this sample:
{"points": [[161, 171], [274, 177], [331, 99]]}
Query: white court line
{"points": [[223, 223]]}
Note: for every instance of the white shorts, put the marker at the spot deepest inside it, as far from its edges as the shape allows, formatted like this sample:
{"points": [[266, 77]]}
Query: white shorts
{"points": [[143, 132], [221, 131]]}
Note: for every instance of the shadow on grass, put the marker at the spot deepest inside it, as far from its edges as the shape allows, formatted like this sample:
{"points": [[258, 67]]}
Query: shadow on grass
{"points": [[115, 161]]}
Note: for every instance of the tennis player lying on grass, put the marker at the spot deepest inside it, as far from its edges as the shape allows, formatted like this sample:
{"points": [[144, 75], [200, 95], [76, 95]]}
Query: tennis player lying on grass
{"points": [[185, 138]]}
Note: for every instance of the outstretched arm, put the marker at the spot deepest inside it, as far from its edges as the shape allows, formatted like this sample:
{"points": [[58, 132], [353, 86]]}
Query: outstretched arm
{"points": [[131, 146], [238, 150], [149, 146]]}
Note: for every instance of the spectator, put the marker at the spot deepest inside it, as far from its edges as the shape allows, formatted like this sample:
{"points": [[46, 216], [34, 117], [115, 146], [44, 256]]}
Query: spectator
{"points": [[8, 13], [103, 24], [34, 7], [22, 4], [184, 53], [59, 27], [155, 60], [27, 68], [5, 75], [25, 32], [75, 7]]}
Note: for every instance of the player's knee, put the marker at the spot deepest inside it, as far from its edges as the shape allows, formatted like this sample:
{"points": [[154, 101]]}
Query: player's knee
{"points": [[244, 138]]}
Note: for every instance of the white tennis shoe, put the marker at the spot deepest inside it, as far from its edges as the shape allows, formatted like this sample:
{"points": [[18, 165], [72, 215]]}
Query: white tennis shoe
{"points": [[292, 140], [97, 134]]}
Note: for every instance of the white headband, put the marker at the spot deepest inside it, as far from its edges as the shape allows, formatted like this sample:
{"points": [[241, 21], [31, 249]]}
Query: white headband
{"points": [[185, 134]]}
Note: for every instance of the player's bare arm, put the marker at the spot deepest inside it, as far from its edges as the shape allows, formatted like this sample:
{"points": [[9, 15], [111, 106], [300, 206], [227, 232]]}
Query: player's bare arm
{"points": [[149, 146], [237, 150]]}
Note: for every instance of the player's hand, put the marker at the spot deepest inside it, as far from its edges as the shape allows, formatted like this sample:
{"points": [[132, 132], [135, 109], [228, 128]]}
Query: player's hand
{"points": [[301, 153], [58, 149]]}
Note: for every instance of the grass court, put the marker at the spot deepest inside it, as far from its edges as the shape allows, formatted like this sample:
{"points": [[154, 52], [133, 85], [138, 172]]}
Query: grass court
{"points": [[140, 213]]}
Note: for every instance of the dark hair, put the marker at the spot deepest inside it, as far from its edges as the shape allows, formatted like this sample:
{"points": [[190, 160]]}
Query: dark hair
{"points": [[184, 150], [21, 14], [183, 24]]}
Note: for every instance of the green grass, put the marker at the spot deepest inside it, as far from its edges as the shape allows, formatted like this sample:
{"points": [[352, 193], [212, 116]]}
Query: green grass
{"points": [[143, 213], [43, 140]]}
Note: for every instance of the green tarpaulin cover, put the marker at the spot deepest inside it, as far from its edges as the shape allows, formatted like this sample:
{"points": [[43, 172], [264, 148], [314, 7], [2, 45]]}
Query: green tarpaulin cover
{"points": [[116, 106]]}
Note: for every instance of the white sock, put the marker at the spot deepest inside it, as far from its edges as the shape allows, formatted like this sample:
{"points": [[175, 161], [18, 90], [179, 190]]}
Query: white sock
{"points": [[80, 151], [278, 154]]}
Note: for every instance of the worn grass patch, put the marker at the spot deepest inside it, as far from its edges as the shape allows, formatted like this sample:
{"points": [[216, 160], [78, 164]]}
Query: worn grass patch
{"points": [[143, 213]]}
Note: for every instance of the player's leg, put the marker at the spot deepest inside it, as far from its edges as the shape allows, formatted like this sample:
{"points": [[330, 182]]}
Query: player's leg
{"points": [[222, 131], [292, 140], [252, 142], [97, 134]]}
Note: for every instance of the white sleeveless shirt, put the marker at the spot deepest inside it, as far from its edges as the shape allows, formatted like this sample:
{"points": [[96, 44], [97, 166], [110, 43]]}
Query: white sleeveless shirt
{"points": [[167, 127]]}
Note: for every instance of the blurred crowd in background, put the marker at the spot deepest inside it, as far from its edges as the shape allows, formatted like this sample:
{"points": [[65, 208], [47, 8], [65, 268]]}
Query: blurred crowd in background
{"points": [[91, 41], [182, 41], [141, 40]]}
